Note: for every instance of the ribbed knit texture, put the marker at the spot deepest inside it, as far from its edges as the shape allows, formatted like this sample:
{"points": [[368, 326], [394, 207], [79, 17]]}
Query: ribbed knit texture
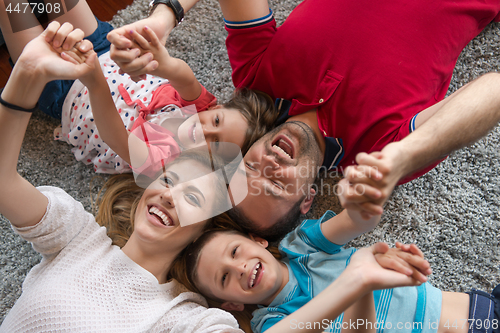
{"points": [[85, 284]]}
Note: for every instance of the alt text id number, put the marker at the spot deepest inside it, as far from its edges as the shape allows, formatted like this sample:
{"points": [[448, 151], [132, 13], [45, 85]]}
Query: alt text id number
{"points": [[39, 7]]}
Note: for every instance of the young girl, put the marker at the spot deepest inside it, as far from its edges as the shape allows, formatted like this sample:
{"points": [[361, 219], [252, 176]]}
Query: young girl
{"points": [[94, 126], [235, 269]]}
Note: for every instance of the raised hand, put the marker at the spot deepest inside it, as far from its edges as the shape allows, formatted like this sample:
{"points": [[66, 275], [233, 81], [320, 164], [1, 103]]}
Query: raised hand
{"points": [[125, 52], [48, 55], [152, 47], [367, 187]]}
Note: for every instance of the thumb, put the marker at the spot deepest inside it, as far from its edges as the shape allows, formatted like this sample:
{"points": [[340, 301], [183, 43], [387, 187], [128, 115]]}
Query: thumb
{"points": [[380, 248], [374, 159]]}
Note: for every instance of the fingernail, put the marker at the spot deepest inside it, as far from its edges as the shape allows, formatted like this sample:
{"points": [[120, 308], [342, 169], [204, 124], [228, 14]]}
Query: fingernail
{"points": [[146, 27], [155, 66]]}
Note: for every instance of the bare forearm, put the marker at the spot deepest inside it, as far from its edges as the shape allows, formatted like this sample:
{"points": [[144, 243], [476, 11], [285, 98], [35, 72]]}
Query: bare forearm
{"points": [[347, 225], [164, 14], [181, 77], [463, 118], [22, 89], [324, 307], [360, 317], [108, 121]]}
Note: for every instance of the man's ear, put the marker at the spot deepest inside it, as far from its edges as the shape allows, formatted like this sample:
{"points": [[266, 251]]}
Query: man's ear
{"points": [[231, 306], [259, 240], [307, 202]]}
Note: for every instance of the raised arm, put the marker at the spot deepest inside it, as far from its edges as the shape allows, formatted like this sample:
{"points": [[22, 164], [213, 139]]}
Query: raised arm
{"points": [[175, 70], [361, 276], [20, 202], [463, 118], [125, 53], [350, 223], [107, 119], [130, 58]]}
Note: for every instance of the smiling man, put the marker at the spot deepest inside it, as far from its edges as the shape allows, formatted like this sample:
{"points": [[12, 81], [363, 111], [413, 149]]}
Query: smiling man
{"points": [[362, 75], [279, 169]]}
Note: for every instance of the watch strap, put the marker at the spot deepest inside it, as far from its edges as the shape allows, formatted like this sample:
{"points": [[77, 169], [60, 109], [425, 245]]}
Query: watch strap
{"points": [[173, 4]]}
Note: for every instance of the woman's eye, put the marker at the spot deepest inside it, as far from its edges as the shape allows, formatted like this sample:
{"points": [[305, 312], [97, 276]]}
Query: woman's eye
{"points": [[233, 253], [168, 181], [191, 198], [216, 120]]}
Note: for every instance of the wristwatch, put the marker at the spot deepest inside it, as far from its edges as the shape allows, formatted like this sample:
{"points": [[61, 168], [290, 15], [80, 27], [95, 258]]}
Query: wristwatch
{"points": [[173, 4]]}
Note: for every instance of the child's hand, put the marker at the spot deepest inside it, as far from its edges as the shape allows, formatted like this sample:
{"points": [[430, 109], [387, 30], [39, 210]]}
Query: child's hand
{"points": [[357, 190], [406, 259], [366, 270], [154, 51]]}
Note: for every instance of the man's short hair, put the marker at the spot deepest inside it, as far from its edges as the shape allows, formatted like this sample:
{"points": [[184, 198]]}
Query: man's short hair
{"points": [[272, 233]]}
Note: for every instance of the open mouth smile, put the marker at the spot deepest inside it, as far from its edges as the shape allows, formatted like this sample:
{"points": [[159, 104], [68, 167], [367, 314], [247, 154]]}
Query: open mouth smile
{"points": [[161, 216], [256, 276], [283, 146]]}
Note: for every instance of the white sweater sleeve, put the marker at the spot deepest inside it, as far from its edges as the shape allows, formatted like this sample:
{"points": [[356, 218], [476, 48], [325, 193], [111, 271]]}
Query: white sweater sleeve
{"points": [[63, 220], [203, 320], [189, 313]]}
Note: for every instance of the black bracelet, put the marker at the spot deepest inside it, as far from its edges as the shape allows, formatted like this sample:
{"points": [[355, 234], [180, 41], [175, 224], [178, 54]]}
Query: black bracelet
{"points": [[15, 107]]}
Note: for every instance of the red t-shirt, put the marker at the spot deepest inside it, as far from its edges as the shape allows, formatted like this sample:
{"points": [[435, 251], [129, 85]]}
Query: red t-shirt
{"points": [[367, 66]]}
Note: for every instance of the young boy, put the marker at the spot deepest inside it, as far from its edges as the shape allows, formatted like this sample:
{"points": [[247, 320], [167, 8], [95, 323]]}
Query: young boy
{"points": [[236, 270]]}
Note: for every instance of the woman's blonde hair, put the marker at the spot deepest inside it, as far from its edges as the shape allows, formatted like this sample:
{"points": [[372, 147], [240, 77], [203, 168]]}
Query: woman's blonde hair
{"points": [[115, 209], [117, 201], [116, 205]]}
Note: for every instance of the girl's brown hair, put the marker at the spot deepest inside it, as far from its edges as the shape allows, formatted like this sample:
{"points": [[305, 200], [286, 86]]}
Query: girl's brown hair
{"points": [[258, 110]]}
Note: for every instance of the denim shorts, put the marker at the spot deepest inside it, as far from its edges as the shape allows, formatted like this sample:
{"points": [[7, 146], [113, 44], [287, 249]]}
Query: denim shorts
{"points": [[53, 95]]}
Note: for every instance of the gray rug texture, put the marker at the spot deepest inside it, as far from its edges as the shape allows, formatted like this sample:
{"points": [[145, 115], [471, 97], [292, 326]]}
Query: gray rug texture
{"points": [[452, 212]]}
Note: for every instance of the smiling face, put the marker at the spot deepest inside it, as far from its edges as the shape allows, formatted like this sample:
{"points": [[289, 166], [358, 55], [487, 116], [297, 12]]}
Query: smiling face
{"points": [[279, 169], [183, 194], [213, 126], [239, 270]]}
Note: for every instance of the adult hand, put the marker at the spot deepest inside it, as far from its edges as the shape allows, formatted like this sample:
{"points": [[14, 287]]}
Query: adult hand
{"points": [[367, 192], [127, 54], [357, 191], [45, 57], [154, 48], [367, 271]]}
